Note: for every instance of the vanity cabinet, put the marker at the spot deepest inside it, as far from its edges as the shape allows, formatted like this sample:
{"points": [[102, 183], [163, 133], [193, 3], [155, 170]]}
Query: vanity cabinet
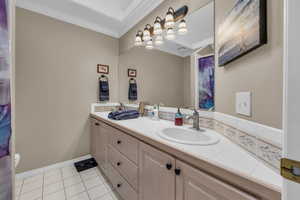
{"points": [[138, 171], [156, 174]]}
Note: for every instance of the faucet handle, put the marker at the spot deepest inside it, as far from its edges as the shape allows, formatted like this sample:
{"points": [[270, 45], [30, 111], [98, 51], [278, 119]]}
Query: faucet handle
{"points": [[196, 112]]}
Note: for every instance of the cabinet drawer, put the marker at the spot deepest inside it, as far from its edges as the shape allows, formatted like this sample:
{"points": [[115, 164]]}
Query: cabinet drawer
{"points": [[124, 166], [120, 185], [124, 143]]}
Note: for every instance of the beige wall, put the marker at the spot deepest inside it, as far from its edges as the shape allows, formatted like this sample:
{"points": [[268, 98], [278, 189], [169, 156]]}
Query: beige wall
{"points": [[159, 76], [187, 93], [56, 82], [260, 71]]}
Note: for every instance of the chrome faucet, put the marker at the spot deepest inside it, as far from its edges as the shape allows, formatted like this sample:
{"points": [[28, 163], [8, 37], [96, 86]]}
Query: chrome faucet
{"points": [[196, 120], [121, 106]]}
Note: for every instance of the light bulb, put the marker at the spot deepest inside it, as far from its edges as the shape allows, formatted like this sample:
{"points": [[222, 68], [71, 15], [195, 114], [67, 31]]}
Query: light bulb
{"points": [[182, 29], [157, 29], [146, 35], [159, 40], [170, 19], [149, 44], [170, 34], [138, 41]]}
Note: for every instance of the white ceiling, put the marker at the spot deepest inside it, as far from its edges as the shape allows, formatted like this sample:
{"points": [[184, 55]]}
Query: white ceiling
{"points": [[111, 17], [200, 34]]}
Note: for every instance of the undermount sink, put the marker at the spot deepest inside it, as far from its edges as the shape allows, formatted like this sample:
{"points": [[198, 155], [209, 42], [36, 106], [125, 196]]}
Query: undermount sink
{"points": [[189, 136]]}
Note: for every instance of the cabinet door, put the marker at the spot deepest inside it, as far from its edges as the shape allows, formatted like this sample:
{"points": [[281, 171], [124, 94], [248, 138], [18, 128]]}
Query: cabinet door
{"points": [[156, 174], [101, 148], [93, 141], [192, 184]]}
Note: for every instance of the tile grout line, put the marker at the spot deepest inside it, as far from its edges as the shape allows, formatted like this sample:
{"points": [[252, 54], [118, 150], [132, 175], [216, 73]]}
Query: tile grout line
{"points": [[43, 185], [21, 188], [86, 190], [64, 188]]}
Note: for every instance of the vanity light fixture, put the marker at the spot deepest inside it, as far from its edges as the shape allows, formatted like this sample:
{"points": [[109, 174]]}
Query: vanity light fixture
{"points": [[182, 28], [149, 44], [159, 40], [170, 21], [162, 27], [157, 28], [170, 34], [146, 33]]}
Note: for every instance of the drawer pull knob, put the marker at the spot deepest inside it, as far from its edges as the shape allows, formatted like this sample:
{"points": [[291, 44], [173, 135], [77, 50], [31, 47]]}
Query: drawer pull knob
{"points": [[169, 166], [119, 142], [177, 172], [119, 185], [97, 124], [118, 163]]}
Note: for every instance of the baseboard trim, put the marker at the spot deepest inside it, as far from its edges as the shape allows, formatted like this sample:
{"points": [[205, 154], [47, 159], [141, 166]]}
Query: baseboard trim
{"points": [[54, 166]]}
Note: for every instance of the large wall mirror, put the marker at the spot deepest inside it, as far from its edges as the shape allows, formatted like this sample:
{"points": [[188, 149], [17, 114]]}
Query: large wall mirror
{"points": [[179, 72]]}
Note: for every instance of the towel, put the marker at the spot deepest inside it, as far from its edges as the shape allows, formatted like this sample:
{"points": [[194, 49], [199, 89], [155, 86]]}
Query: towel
{"points": [[132, 92], [103, 90], [124, 114], [5, 130]]}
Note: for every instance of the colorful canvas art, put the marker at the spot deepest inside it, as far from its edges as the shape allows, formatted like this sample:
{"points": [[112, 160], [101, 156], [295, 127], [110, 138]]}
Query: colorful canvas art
{"points": [[244, 29], [5, 106], [206, 82]]}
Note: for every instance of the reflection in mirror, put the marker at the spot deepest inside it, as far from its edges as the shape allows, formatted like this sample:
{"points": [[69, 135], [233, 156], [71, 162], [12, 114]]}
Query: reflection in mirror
{"points": [[176, 73]]}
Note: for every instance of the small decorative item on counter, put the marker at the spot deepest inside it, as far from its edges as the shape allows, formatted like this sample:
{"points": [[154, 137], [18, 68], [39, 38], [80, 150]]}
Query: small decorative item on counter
{"points": [[156, 112], [178, 118]]}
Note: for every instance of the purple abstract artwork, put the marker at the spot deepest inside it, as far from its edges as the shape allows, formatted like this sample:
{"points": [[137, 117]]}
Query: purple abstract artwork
{"points": [[206, 82], [5, 106]]}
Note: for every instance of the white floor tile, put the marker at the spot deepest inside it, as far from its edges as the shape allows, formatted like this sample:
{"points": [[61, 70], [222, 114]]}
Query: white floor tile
{"points": [[88, 175], [105, 197], [48, 189], [72, 181], [74, 190], [98, 192], [52, 172], [55, 196], [33, 195], [81, 196], [52, 179], [93, 182], [36, 178], [28, 187], [69, 172]]}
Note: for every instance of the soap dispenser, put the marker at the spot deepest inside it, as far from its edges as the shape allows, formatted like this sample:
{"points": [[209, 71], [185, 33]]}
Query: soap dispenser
{"points": [[178, 118]]}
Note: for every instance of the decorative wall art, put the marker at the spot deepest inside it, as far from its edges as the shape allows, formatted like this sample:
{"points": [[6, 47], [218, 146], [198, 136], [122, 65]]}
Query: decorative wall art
{"points": [[102, 69], [5, 105], [132, 73], [244, 29], [206, 82]]}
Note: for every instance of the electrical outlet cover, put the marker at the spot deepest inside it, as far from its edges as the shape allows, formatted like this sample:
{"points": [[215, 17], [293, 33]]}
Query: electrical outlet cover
{"points": [[243, 103]]}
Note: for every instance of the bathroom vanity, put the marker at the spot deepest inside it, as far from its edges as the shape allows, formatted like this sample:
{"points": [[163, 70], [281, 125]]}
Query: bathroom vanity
{"points": [[141, 165]]}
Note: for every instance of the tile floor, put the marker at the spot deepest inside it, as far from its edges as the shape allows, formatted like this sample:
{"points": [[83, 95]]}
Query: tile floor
{"points": [[65, 184]]}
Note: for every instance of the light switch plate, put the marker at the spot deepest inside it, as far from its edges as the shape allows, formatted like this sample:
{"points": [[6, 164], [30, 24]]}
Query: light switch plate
{"points": [[243, 103]]}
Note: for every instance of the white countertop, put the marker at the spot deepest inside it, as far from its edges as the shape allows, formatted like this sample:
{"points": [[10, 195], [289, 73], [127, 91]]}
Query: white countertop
{"points": [[224, 154]]}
